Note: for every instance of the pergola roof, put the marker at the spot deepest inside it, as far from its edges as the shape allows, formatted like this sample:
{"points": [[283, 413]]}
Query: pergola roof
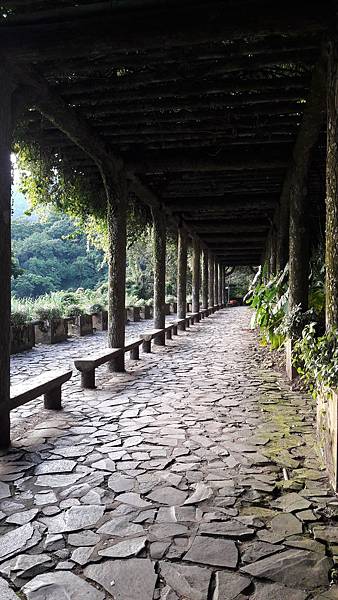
{"points": [[203, 102]]}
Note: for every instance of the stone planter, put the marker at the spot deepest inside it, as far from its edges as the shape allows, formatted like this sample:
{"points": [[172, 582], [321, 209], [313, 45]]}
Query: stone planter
{"points": [[22, 338], [327, 432], [133, 313], [173, 308], [51, 332], [145, 312], [81, 325], [167, 309], [100, 320]]}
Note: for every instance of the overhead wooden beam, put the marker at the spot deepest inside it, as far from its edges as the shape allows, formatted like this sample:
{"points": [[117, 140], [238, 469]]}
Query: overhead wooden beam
{"points": [[224, 162], [162, 28], [79, 132]]}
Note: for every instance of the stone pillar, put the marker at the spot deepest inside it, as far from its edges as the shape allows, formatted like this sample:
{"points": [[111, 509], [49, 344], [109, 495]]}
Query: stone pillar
{"points": [[273, 252], [205, 278], [331, 255], [216, 282], [159, 249], [196, 276], [117, 199], [211, 282], [222, 285], [219, 291], [5, 253], [182, 275]]}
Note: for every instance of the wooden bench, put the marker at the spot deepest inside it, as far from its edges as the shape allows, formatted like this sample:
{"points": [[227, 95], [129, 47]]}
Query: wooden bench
{"points": [[87, 365], [49, 385]]}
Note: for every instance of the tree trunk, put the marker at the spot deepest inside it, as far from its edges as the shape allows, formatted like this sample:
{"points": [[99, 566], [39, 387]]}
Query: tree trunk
{"points": [[5, 253], [205, 278], [182, 274], [211, 281], [159, 249], [196, 277], [331, 258], [117, 199]]}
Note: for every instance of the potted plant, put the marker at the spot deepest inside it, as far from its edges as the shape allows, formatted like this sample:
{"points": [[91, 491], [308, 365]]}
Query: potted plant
{"points": [[51, 327], [22, 332], [80, 323], [99, 317]]}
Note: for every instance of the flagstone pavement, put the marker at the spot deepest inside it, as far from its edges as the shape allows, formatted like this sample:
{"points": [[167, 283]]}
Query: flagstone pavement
{"points": [[193, 476]]}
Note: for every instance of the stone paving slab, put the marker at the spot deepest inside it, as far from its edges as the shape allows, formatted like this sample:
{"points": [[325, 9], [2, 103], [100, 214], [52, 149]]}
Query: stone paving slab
{"points": [[167, 482]]}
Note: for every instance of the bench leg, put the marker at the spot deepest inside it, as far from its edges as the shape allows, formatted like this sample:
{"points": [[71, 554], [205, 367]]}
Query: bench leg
{"points": [[168, 334], [135, 353], [146, 346], [52, 399], [88, 379], [175, 332], [159, 340], [5, 430]]}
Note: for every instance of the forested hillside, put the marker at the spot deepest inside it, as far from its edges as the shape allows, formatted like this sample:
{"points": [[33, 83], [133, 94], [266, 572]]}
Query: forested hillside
{"points": [[53, 256]]}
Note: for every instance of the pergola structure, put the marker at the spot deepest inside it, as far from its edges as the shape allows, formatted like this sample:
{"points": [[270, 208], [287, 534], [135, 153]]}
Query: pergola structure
{"points": [[213, 114]]}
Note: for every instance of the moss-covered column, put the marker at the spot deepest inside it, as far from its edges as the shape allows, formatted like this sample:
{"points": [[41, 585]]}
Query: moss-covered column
{"points": [[211, 281], [159, 251], [5, 253], [117, 200], [205, 278], [182, 275], [331, 255], [196, 275]]}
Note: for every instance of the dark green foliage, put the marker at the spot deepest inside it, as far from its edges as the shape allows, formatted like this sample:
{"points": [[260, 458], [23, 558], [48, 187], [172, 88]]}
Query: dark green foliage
{"points": [[270, 301], [316, 358], [53, 256]]}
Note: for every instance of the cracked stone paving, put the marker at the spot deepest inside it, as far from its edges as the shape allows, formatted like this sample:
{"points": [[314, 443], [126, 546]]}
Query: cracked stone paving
{"points": [[193, 476]]}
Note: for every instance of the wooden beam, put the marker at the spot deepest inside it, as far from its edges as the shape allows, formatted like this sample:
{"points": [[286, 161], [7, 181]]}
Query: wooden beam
{"points": [[222, 163], [162, 28]]}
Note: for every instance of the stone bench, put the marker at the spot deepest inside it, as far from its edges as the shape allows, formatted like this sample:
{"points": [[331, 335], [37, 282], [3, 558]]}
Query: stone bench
{"points": [[148, 336], [87, 365], [49, 385]]}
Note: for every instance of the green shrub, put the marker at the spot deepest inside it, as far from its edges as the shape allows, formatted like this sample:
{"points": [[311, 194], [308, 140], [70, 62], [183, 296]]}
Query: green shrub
{"points": [[19, 318], [48, 313], [316, 358], [74, 311]]}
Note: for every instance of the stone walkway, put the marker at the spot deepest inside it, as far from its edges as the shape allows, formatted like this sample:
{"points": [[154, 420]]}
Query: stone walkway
{"points": [[191, 477]]}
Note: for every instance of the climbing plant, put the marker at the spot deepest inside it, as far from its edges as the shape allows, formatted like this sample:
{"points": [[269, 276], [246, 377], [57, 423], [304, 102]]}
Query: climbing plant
{"points": [[316, 358]]}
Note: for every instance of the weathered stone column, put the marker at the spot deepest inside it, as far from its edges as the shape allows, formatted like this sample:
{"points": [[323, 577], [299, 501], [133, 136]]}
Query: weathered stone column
{"points": [[216, 282], [159, 249], [331, 254], [211, 282], [117, 199], [196, 276], [5, 253], [205, 278], [182, 275], [299, 243], [222, 285]]}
